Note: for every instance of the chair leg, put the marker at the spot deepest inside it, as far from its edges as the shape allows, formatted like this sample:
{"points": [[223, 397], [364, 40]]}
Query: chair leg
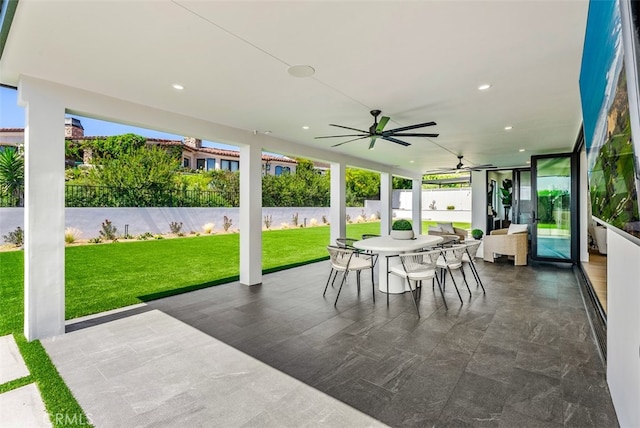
{"points": [[373, 286], [464, 277], [387, 281], [476, 275], [358, 280], [441, 293], [333, 273], [413, 297], [454, 283], [344, 279]]}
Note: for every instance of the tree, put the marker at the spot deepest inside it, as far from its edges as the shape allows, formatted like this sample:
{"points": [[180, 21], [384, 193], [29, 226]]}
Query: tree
{"points": [[138, 177], [12, 174], [226, 183], [305, 188], [361, 185], [401, 183], [115, 146]]}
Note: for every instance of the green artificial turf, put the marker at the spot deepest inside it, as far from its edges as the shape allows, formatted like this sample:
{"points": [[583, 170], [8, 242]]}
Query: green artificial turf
{"points": [[63, 409]]}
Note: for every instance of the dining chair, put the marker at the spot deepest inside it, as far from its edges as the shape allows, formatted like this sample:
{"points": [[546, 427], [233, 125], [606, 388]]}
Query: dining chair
{"points": [[344, 260], [369, 235], [469, 258], [417, 267], [451, 259], [348, 243], [345, 243]]}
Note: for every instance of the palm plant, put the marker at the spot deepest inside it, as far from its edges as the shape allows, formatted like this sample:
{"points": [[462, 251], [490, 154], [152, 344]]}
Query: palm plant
{"points": [[12, 174]]}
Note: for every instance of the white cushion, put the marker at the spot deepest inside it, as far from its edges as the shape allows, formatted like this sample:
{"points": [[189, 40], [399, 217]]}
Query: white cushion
{"points": [[398, 270], [516, 228], [446, 227], [358, 263], [435, 229], [425, 274]]}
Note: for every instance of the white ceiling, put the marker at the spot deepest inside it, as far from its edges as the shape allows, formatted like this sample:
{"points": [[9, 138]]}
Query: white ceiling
{"points": [[416, 61]]}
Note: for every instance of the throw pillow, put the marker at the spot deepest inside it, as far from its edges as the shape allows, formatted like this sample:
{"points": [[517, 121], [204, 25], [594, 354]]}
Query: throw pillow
{"points": [[435, 229], [516, 228], [446, 227]]}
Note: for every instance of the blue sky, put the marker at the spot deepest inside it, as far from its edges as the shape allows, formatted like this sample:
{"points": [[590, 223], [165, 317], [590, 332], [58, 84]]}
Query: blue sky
{"points": [[12, 116]]}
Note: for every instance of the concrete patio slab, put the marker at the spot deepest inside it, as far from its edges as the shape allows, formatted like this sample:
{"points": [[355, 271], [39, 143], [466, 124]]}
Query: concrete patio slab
{"points": [[158, 371], [23, 407], [12, 366]]}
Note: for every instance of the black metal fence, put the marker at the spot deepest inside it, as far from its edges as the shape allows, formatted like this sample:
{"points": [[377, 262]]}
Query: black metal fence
{"points": [[102, 196]]}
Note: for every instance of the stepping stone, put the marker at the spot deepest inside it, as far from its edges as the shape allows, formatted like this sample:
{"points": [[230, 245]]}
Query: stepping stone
{"points": [[12, 366], [23, 407]]}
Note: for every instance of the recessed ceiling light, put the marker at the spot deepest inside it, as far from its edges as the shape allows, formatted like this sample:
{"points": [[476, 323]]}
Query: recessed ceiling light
{"points": [[177, 86], [521, 150], [267, 132], [301, 71], [411, 161], [305, 127], [508, 128], [484, 87]]}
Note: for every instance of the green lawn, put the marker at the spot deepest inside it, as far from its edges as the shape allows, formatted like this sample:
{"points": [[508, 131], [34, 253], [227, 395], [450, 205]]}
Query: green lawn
{"points": [[113, 275]]}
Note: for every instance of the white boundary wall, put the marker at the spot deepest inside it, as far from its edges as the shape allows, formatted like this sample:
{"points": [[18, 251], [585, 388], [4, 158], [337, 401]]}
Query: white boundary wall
{"points": [[156, 220]]}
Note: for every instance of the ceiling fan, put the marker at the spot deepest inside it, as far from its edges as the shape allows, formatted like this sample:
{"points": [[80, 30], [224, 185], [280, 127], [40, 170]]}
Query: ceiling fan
{"points": [[460, 167], [377, 131]]}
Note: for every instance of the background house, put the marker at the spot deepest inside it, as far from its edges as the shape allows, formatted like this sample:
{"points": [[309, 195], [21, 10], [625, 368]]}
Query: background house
{"points": [[195, 156]]}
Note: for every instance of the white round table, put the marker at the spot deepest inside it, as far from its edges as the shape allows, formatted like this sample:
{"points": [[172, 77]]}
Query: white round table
{"points": [[387, 246]]}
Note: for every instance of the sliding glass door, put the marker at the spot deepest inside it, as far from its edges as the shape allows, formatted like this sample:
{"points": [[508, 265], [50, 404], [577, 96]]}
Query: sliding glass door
{"points": [[554, 231]]}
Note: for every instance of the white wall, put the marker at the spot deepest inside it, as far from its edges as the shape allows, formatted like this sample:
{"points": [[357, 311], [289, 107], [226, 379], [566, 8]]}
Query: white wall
{"points": [[459, 198], [623, 328]]}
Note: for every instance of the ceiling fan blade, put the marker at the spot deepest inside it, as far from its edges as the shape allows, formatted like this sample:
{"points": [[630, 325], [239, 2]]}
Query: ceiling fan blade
{"points": [[481, 167], [382, 124], [372, 143], [395, 140], [346, 127], [348, 135], [407, 128], [410, 134], [440, 171], [345, 142]]}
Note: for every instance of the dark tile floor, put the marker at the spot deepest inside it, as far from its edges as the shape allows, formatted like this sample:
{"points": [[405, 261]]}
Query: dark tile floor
{"points": [[521, 355]]}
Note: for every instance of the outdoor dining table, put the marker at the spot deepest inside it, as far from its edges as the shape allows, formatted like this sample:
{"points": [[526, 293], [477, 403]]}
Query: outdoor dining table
{"points": [[387, 246]]}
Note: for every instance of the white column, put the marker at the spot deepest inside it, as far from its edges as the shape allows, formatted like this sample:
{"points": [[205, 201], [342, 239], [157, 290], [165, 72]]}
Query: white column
{"points": [[44, 212], [386, 210], [479, 202], [250, 215], [338, 210], [416, 205]]}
